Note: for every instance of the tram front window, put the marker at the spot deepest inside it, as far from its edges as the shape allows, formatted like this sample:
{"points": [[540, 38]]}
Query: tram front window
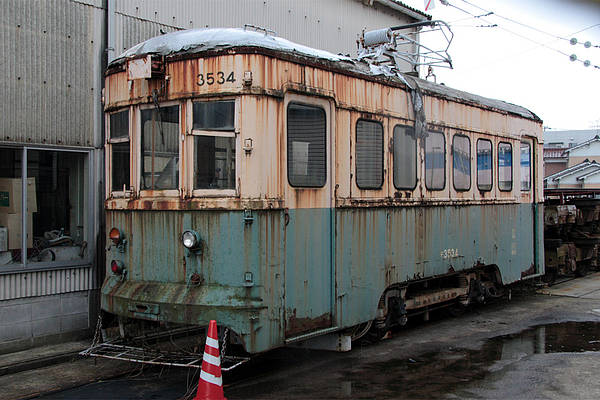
{"points": [[214, 144], [160, 148]]}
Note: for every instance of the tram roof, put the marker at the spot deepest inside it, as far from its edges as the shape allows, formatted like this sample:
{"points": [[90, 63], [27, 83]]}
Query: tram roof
{"points": [[193, 41]]}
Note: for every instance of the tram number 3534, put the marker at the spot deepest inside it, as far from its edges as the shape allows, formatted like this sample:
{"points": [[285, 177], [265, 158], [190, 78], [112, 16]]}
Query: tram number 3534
{"points": [[210, 78]]}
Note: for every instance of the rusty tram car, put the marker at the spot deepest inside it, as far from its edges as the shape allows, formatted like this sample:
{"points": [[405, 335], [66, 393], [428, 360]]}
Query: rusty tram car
{"points": [[289, 192]]}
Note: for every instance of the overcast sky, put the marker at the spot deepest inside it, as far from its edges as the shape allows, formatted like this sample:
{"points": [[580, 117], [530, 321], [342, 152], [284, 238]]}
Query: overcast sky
{"points": [[526, 67]]}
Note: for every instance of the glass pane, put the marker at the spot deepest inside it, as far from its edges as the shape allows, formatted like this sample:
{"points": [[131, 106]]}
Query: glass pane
{"points": [[120, 166], [307, 159], [59, 213], [369, 154], [119, 125], [214, 115], [505, 166], [214, 165], [484, 165], [461, 162], [405, 157], [160, 148], [435, 161], [11, 206], [525, 166]]}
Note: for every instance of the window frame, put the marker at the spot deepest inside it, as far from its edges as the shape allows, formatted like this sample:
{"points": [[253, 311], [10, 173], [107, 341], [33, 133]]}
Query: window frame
{"points": [[441, 132], [138, 162], [109, 142], [380, 124], [528, 144], [512, 173], [491, 164], [415, 153], [470, 166], [326, 144], [190, 144], [91, 227]]}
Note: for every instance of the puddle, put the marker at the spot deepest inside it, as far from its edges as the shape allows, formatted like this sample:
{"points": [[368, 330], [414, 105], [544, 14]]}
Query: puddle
{"points": [[436, 375]]}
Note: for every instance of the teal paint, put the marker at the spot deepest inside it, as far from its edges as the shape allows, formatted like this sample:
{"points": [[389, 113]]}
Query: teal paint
{"points": [[292, 266]]}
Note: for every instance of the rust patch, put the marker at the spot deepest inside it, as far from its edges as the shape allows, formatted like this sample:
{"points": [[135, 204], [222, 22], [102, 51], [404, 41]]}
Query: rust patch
{"points": [[295, 326], [528, 271]]}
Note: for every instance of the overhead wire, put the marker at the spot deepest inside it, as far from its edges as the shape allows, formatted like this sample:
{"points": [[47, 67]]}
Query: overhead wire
{"points": [[529, 26], [572, 57]]}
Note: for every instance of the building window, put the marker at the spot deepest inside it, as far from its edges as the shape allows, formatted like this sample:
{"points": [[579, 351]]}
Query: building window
{"points": [[57, 209], [214, 144], [435, 161], [461, 162], [525, 166], [119, 148], [505, 166], [405, 157], [484, 165], [369, 154], [306, 145], [160, 148]]}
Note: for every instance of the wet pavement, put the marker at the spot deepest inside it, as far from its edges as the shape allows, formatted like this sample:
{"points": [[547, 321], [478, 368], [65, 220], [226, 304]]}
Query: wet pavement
{"points": [[534, 347]]}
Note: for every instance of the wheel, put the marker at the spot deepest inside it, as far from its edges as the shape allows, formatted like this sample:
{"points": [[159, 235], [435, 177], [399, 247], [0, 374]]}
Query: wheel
{"points": [[360, 330]]}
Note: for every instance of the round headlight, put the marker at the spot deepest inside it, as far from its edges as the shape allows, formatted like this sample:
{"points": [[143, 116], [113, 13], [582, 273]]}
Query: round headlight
{"points": [[190, 240]]}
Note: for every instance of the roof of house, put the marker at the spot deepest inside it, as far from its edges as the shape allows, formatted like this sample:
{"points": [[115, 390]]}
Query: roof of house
{"points": [[586, 143], [570, 136], [583, 169]]}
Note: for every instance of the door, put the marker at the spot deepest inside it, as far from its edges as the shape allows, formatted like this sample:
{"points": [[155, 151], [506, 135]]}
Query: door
{"points": [[308, 229]]}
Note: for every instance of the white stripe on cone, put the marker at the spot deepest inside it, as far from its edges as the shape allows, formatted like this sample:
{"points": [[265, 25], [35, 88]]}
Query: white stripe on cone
{"points": [[214, 343], [216, 361], [211, 378]]}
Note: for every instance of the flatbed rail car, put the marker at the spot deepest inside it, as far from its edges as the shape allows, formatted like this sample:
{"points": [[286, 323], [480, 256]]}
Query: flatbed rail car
{"points": [[288, 192]]}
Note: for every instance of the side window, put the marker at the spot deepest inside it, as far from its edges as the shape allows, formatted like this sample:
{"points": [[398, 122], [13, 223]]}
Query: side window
{"points": [[369, 154], [214, 144], [405, 157], [525, 166], [484, 165], [160, 148], [504, 166], [435, 161], [461, 162], [119, 147], [306, 145]]}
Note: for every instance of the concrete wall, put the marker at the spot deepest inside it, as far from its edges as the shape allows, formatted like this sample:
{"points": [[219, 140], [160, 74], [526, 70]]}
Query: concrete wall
{"points": [[43, 320]]}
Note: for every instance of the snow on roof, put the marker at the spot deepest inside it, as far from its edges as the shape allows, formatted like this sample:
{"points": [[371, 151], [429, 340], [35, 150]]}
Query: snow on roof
{"points": [[199, 40]]}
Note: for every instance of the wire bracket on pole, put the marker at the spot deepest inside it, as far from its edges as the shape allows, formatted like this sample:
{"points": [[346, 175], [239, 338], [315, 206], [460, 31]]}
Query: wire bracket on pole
{"points": [[389, 50]]}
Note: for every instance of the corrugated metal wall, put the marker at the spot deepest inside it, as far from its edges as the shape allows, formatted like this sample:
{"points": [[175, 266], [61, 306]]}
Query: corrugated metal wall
{"points": [[49, 71], [332, 25], [42, 283]]}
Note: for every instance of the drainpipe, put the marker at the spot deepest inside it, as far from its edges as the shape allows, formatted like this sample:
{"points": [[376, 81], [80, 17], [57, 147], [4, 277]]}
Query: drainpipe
{"points": [[110, 46]]}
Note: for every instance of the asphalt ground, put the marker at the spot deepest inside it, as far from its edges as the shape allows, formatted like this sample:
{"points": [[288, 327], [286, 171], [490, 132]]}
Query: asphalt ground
{"points": [[534, 346]]}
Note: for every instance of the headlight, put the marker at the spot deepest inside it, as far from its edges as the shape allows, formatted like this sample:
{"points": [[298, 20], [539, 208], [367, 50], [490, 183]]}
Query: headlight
{"points": [[190, 240]]}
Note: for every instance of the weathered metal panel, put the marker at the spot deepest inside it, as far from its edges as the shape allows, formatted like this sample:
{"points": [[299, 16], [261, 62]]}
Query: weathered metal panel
{"points": [[331, 25], [377, 247], [43, 283], [52, 86], [159, 270]]}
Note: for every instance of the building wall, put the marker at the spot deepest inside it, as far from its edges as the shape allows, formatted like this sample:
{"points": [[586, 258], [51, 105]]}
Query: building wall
{"points": [[554, 167], [332, 25], [44, 320], [53, 55]]}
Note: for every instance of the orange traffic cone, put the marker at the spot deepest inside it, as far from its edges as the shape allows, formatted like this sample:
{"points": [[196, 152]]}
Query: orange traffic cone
{"points": [[210, 384]]}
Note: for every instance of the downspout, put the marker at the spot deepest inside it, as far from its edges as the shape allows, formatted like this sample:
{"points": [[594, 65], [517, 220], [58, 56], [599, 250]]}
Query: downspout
{"points": [[110, 40]]}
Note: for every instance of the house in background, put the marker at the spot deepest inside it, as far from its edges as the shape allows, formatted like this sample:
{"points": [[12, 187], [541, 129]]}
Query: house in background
{"points": [[563, 149]]}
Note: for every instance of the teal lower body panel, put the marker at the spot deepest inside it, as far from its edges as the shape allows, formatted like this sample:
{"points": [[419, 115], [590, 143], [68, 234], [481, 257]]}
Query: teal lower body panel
{"points": [[380, 247], [278, 276]]}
